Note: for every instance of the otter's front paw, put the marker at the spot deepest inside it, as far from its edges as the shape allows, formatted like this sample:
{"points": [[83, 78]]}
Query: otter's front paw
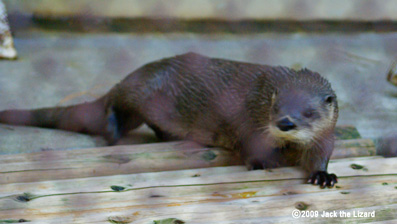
{"points": [[323, 179]]}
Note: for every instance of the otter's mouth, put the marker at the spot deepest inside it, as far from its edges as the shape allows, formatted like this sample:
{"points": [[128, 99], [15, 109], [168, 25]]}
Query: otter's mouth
{"points": [[295, 134]]}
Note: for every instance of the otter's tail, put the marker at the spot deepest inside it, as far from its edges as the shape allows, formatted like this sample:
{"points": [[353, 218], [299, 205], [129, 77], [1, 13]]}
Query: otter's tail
{"points": [[89, 118]]}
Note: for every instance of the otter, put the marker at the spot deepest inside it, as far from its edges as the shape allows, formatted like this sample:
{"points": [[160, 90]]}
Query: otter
{"points": [[274, 116]]}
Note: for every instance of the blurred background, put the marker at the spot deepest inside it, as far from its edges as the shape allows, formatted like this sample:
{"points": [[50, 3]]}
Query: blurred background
{"points": [[75, 51]]}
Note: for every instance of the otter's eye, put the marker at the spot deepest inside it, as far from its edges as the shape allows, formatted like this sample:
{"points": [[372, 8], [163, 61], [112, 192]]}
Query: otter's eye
{"points": [[308, 113], [329, 99]]}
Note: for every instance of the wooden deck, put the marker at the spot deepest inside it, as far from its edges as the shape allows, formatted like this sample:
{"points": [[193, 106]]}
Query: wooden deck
{"points": [[179, 182]]}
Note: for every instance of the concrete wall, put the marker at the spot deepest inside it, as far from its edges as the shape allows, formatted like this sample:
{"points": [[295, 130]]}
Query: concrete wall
{"points": [[362, 10]]}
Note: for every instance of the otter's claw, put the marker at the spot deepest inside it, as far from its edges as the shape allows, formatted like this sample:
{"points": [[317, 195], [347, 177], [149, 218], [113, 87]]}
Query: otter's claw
{"points": [[323, 179]]}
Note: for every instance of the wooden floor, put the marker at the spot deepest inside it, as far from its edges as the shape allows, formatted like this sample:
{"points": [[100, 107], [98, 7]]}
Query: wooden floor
{"points": [[179, 182]]}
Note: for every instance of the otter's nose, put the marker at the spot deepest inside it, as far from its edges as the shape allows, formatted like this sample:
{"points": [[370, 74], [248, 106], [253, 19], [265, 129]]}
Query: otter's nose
{"points": [[285, 124]]}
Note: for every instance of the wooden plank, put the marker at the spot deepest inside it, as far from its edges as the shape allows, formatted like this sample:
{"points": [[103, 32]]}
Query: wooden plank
{"points": [[209, 176], [211, 197], [342, 167], [100, 151], [50, 165], [210, 209], [184, 193], [114, 164], [341, 145], [353, 148]]}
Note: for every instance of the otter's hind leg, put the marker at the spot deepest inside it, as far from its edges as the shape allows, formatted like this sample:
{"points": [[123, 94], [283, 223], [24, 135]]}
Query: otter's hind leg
{"points": [[120, 122]]}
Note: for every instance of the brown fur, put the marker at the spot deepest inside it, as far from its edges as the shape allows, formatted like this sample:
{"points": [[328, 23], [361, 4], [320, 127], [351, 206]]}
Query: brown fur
{"points": [[214, 102]]}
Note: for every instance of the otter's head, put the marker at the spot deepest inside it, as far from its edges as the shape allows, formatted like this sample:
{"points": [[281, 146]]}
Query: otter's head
{"points": [[302, 108]]}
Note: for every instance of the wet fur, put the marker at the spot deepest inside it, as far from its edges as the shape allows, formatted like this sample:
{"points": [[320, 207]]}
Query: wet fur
{"points": [[214, 102]]}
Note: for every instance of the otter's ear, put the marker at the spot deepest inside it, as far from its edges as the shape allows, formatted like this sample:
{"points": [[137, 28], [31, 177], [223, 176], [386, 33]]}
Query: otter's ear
{"points": [[329, 99]]}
